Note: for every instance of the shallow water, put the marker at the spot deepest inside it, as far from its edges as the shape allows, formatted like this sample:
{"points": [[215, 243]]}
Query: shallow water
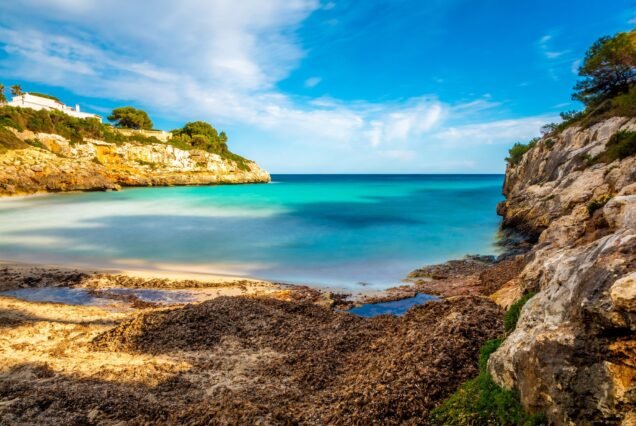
{"points": [[397, 307], [346, 231], [81, 296], [69, 296]]}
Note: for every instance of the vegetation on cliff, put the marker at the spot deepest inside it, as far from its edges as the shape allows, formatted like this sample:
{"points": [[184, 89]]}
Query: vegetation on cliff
{"points": [[130, 118], [608, 69], [197, 135], [480, 401], [607, 88], [621, 145], [8, 140], [518, 150], [201, 135], [512, 314]]}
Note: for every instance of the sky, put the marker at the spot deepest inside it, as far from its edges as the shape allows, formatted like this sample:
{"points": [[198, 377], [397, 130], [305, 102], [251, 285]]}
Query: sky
{"points": [[319, 86]]}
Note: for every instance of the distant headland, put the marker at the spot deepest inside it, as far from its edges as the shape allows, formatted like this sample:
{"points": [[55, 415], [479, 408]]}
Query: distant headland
{"points": [[46, 146]]}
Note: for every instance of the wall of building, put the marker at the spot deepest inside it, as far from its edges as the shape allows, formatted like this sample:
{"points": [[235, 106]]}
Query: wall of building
{"points": [[27, 100]]}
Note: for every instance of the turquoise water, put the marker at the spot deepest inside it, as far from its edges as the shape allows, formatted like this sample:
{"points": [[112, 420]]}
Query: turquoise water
{"points": [[345, 231]]}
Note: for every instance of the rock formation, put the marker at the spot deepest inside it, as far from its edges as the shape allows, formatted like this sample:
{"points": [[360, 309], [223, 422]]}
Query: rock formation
{"points": [[56, 164], [572, 355]]}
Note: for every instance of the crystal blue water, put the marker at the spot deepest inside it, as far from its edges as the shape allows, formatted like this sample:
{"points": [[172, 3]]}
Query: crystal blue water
{"points": [[346, 231]]}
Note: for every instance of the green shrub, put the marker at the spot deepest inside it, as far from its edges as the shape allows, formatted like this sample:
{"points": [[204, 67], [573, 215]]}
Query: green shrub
{"points": [[568, 118], [549, 143], [625, 105], [518, 150], [621, 145], [512, 315], [480, 401], [598, 203]]}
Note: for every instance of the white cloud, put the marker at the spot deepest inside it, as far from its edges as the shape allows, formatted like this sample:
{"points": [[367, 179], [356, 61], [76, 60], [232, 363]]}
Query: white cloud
{"points": [[221, 60], [493, 132]]}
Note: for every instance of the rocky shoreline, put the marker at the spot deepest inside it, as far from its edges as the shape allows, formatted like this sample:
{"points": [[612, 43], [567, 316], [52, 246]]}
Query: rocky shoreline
{"points": [[58, 165], [571, 355]]}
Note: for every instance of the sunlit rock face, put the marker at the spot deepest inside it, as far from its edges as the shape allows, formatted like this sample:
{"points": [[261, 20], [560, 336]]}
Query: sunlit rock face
{"points": [[573, 353], [96, 165]]}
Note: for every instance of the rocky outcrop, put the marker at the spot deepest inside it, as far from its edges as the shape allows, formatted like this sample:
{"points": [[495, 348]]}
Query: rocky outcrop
{"points": [[59, 165], [555, 177], [572, 355]]}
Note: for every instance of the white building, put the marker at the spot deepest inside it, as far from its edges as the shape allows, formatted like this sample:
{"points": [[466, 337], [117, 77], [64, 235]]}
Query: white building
{"points": [[28, 100]]}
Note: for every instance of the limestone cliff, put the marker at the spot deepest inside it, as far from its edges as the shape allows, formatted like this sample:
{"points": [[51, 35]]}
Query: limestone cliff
{"points": [[59, 165], [573, 352]]}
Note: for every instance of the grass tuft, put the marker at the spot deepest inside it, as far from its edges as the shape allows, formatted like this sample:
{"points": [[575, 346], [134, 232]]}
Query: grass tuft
{"points": [[512, 315], [481, 401]]}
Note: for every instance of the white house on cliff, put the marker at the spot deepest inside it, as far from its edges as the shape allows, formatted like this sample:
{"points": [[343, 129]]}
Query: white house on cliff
{"points": [[27, 100]]}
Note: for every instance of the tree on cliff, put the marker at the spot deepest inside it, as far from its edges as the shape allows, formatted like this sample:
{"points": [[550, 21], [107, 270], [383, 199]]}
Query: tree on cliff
{"points": [[3, 98], [608, 69], [130, 118], [16, 90], [202, 135]]}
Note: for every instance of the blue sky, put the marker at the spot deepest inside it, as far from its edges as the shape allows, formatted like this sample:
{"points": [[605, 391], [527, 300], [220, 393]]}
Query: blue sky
{"points": [[319, 86]]}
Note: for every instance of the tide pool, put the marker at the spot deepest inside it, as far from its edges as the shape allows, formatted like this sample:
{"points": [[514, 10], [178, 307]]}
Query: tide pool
{"points": [[346, 231]]}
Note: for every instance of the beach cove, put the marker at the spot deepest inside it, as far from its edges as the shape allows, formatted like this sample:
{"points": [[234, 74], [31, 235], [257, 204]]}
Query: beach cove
{"points": [[352, 232]]}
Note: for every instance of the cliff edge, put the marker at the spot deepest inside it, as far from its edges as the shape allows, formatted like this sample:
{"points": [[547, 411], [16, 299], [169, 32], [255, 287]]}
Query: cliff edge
{"points": [[572, 355]]}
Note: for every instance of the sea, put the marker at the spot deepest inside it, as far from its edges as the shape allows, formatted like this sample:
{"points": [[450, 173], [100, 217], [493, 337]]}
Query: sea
{"points": [[352, 232]]}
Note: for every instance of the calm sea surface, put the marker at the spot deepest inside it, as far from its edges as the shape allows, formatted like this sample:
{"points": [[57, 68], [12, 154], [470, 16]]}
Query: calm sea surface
{"points": [[351, 231]]}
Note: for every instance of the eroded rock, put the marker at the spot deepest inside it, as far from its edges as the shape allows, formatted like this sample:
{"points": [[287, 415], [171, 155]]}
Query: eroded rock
{"points": [[572, 354]]}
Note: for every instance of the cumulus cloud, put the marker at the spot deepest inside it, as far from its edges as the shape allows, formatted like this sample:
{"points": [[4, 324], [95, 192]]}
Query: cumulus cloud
{"points": [[221, 60]]}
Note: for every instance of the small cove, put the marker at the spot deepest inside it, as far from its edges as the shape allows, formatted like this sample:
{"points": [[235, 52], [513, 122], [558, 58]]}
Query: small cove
{"points": [[351, 232]]}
